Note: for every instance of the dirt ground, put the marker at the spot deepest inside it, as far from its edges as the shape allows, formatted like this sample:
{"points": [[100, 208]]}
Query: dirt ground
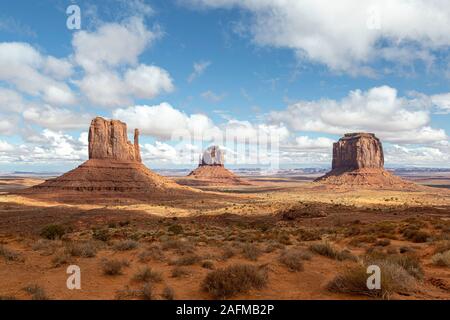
{"points": [[181, 240]]}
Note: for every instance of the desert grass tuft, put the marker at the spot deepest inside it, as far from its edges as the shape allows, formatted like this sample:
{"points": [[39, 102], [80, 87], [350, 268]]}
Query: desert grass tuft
{"points": [[235, 279], [146, 274], [441, 259], [113, 267]]}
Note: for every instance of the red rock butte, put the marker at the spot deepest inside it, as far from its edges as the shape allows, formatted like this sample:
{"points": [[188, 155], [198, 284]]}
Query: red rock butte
{"points": [[114, 165], [211, 169], [358, 160]]}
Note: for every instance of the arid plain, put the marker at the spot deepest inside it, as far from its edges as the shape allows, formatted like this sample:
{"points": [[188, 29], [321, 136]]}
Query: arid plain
{"points": [[302, 238]]}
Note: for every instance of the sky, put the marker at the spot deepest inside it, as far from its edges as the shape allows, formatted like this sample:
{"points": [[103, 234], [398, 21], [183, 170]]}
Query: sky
{"points": [[274, 83]]}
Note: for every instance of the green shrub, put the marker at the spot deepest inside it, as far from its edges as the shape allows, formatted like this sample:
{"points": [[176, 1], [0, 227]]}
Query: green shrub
{"points": [[53, 232], [175, 228], [101, 235]]}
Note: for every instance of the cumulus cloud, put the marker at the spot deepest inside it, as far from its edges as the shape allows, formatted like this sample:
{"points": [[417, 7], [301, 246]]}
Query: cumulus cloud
{"points": [[53, 118], [442, 102], [113, 77], [379, 110], [102, 49], [50, 147], [164, 121], [422, 155], [199, 68], [30, 72], [347, 35]]}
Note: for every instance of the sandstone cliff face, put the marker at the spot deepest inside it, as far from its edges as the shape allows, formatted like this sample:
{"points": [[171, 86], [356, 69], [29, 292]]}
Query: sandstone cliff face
{"points": [[358, 151], [108, 140], [358, 161]]}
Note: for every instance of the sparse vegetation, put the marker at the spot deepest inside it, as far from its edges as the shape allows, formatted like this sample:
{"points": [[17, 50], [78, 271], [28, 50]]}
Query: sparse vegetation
{"points": [[168, 293], [416, 235], [45, 246], [293, 258], [186, 260], [354, 281], [112, 267], [153, 252], [251, 251], [146, 274], [147, 291], [175, 229], [208, 264], [37, 292], [125, 245], [178, 272], [101, 235], [53, 232], [441, 259], [10, 255], [327, 250], [86, 249], [60, 258], [235, 279]]}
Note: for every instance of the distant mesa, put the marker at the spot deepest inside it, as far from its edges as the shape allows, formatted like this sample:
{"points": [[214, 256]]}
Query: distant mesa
{"points": [[358, 160], [114, 166], [211, 170]]}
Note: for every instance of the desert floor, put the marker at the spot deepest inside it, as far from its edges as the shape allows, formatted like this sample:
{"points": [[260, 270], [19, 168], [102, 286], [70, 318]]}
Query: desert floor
{"points": [[287, 238]]}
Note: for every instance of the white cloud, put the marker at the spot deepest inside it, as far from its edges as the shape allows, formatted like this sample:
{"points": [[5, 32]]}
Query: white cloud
{"points": [[32, 73], [379, 110], [113, 44], [442, 101], [5, 146], [307, 143], [347, 35], [52, 146], [161, 152], [113, 77], [56, 118], [146, 82], [425, 156], [212, 96], [11, 101], [163, 121], [199, 69]]}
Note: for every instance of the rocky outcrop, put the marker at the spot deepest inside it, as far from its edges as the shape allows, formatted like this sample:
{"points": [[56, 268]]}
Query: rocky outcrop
{"points": [[114, 168], [211, 170], [358, 151], [108, 139], [358, 161]]}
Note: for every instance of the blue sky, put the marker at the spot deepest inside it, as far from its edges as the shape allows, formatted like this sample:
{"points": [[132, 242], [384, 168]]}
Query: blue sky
{"points": [[301, 72]]}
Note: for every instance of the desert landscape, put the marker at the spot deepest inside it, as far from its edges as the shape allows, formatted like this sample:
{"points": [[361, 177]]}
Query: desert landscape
{"points": [[225, 157], [213, 235]]}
